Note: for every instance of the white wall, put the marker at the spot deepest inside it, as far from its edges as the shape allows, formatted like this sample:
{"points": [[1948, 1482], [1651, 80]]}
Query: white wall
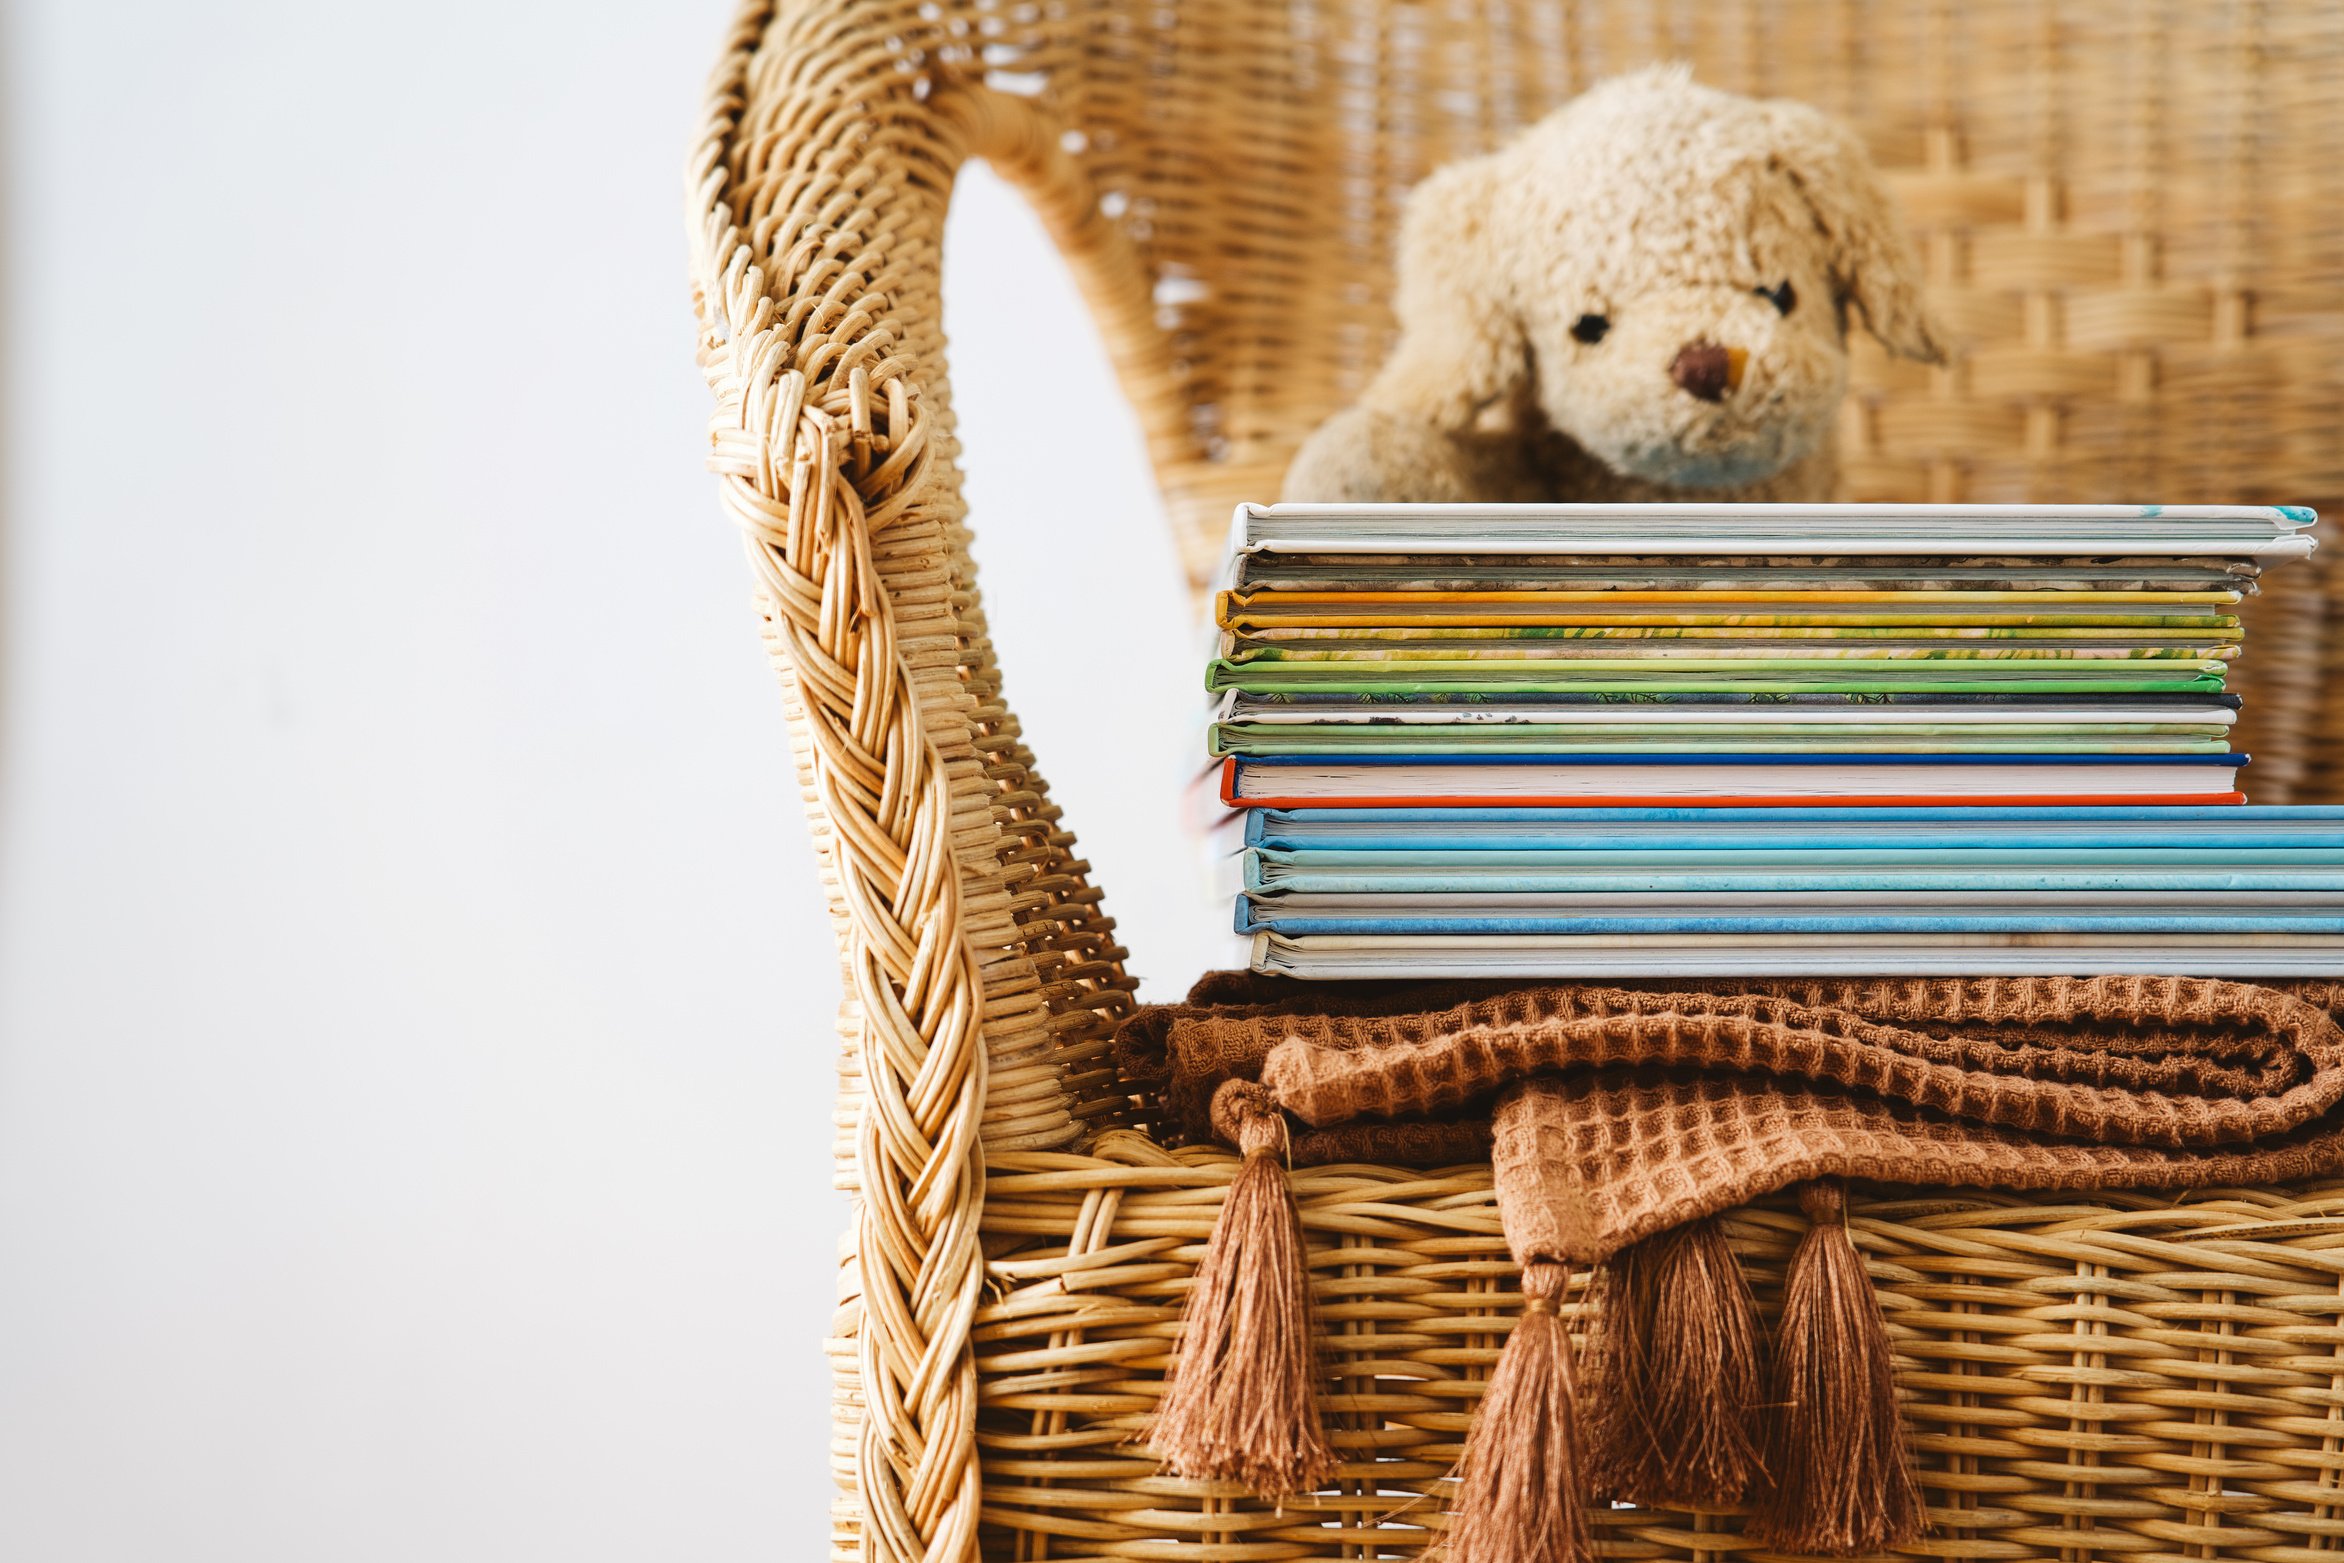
{"points": [[414, 994]]}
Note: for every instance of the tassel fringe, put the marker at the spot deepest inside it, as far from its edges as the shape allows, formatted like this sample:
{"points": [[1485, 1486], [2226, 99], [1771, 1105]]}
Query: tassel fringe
{"points": [[1677, 1376], [1242, 1401], [1843, 1480], [1521, 1496]]}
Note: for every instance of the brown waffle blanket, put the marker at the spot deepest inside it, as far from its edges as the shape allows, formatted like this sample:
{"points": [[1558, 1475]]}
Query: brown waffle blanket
{"points": [[1619, 1112]]}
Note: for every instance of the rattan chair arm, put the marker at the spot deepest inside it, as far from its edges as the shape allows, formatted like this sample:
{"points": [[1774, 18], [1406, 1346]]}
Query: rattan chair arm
{"points": [[816, 191]]}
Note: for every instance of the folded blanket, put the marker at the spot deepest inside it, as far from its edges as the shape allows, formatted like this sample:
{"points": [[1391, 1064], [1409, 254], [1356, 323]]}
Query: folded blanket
{"points": [[1619, 1121], [1407, 1073]]}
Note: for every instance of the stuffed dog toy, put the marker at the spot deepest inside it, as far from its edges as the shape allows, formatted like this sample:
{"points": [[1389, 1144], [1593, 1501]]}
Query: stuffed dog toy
{"points": [[1645, 296]]}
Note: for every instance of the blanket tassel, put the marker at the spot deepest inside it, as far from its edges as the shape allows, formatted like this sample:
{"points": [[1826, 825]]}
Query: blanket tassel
{"points": [[1521, 1496], [1242, 1401], [1842, 1477], [1677, 1381]]}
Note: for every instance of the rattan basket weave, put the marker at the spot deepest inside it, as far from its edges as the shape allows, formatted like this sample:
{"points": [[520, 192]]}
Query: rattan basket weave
{"points": [[2133, 215]]}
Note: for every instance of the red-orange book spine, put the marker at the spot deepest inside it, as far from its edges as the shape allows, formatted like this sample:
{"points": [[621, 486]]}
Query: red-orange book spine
{"points": [[1698, 801]]}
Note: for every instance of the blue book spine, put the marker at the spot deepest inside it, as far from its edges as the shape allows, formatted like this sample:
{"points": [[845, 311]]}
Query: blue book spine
{"points": [[1258, 882], [1434, 927], [1711, 829]]}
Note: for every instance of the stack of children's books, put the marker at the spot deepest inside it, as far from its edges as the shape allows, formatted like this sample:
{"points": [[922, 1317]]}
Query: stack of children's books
{"points": [[1738, 740]]}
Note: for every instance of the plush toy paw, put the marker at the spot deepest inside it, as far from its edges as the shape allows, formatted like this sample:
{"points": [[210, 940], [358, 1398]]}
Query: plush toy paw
{"points": [[1368, 456]]}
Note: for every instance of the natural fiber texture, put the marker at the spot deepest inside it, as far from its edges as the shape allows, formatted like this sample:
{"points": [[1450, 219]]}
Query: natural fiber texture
{"points": [[1177, 1054], [1678, 1371], [1521, 1489], [2130, 217], [980, 979], [1621, 1116], [2115, 1375], [1595, 1163], [1839, 1475], [1649, 1109], [1241, 1401], [2149, 1062]]}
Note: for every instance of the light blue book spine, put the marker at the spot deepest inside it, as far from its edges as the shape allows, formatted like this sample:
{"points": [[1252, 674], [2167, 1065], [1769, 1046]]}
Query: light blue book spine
{"points": [[1262, 878], [1437, 927], [1499, 829]]}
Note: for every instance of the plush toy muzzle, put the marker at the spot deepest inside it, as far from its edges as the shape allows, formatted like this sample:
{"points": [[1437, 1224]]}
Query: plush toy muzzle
{"points": [[1703, 387]]}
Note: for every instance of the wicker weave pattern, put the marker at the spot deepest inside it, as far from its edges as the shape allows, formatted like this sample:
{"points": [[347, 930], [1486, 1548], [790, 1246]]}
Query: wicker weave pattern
{"points": [[2132, 215], [2124, 1377]]}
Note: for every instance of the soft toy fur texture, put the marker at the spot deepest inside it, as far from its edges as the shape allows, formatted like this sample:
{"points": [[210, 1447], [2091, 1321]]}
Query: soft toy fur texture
{"points": [[1643, 297]]}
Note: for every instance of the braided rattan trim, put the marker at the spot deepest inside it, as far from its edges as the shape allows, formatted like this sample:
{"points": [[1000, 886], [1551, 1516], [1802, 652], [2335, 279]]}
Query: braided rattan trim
{"points": [[979, 974]]}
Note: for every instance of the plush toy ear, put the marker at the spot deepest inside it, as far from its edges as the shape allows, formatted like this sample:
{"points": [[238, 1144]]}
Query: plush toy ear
{"points": [[1460, 346], [1872, 261]]}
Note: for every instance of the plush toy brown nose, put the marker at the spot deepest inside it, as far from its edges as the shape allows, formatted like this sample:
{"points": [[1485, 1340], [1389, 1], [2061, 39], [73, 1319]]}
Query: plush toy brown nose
{"points": [[1703, 369]]}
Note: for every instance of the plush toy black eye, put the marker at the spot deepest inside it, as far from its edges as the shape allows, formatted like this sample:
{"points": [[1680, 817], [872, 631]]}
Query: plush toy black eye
{"points": [[1780, 296], [1590, 328]]}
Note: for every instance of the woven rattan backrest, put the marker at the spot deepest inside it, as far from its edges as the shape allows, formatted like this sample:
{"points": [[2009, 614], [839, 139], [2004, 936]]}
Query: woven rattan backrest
{"points": [[2132, 216]]}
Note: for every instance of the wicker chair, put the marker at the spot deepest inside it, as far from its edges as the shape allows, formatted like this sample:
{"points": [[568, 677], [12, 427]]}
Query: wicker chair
{"points": [[2134, 216]]}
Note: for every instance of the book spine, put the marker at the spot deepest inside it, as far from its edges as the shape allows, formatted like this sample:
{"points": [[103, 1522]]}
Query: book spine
{"points": [[1869, 923], [1885, 801]]}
